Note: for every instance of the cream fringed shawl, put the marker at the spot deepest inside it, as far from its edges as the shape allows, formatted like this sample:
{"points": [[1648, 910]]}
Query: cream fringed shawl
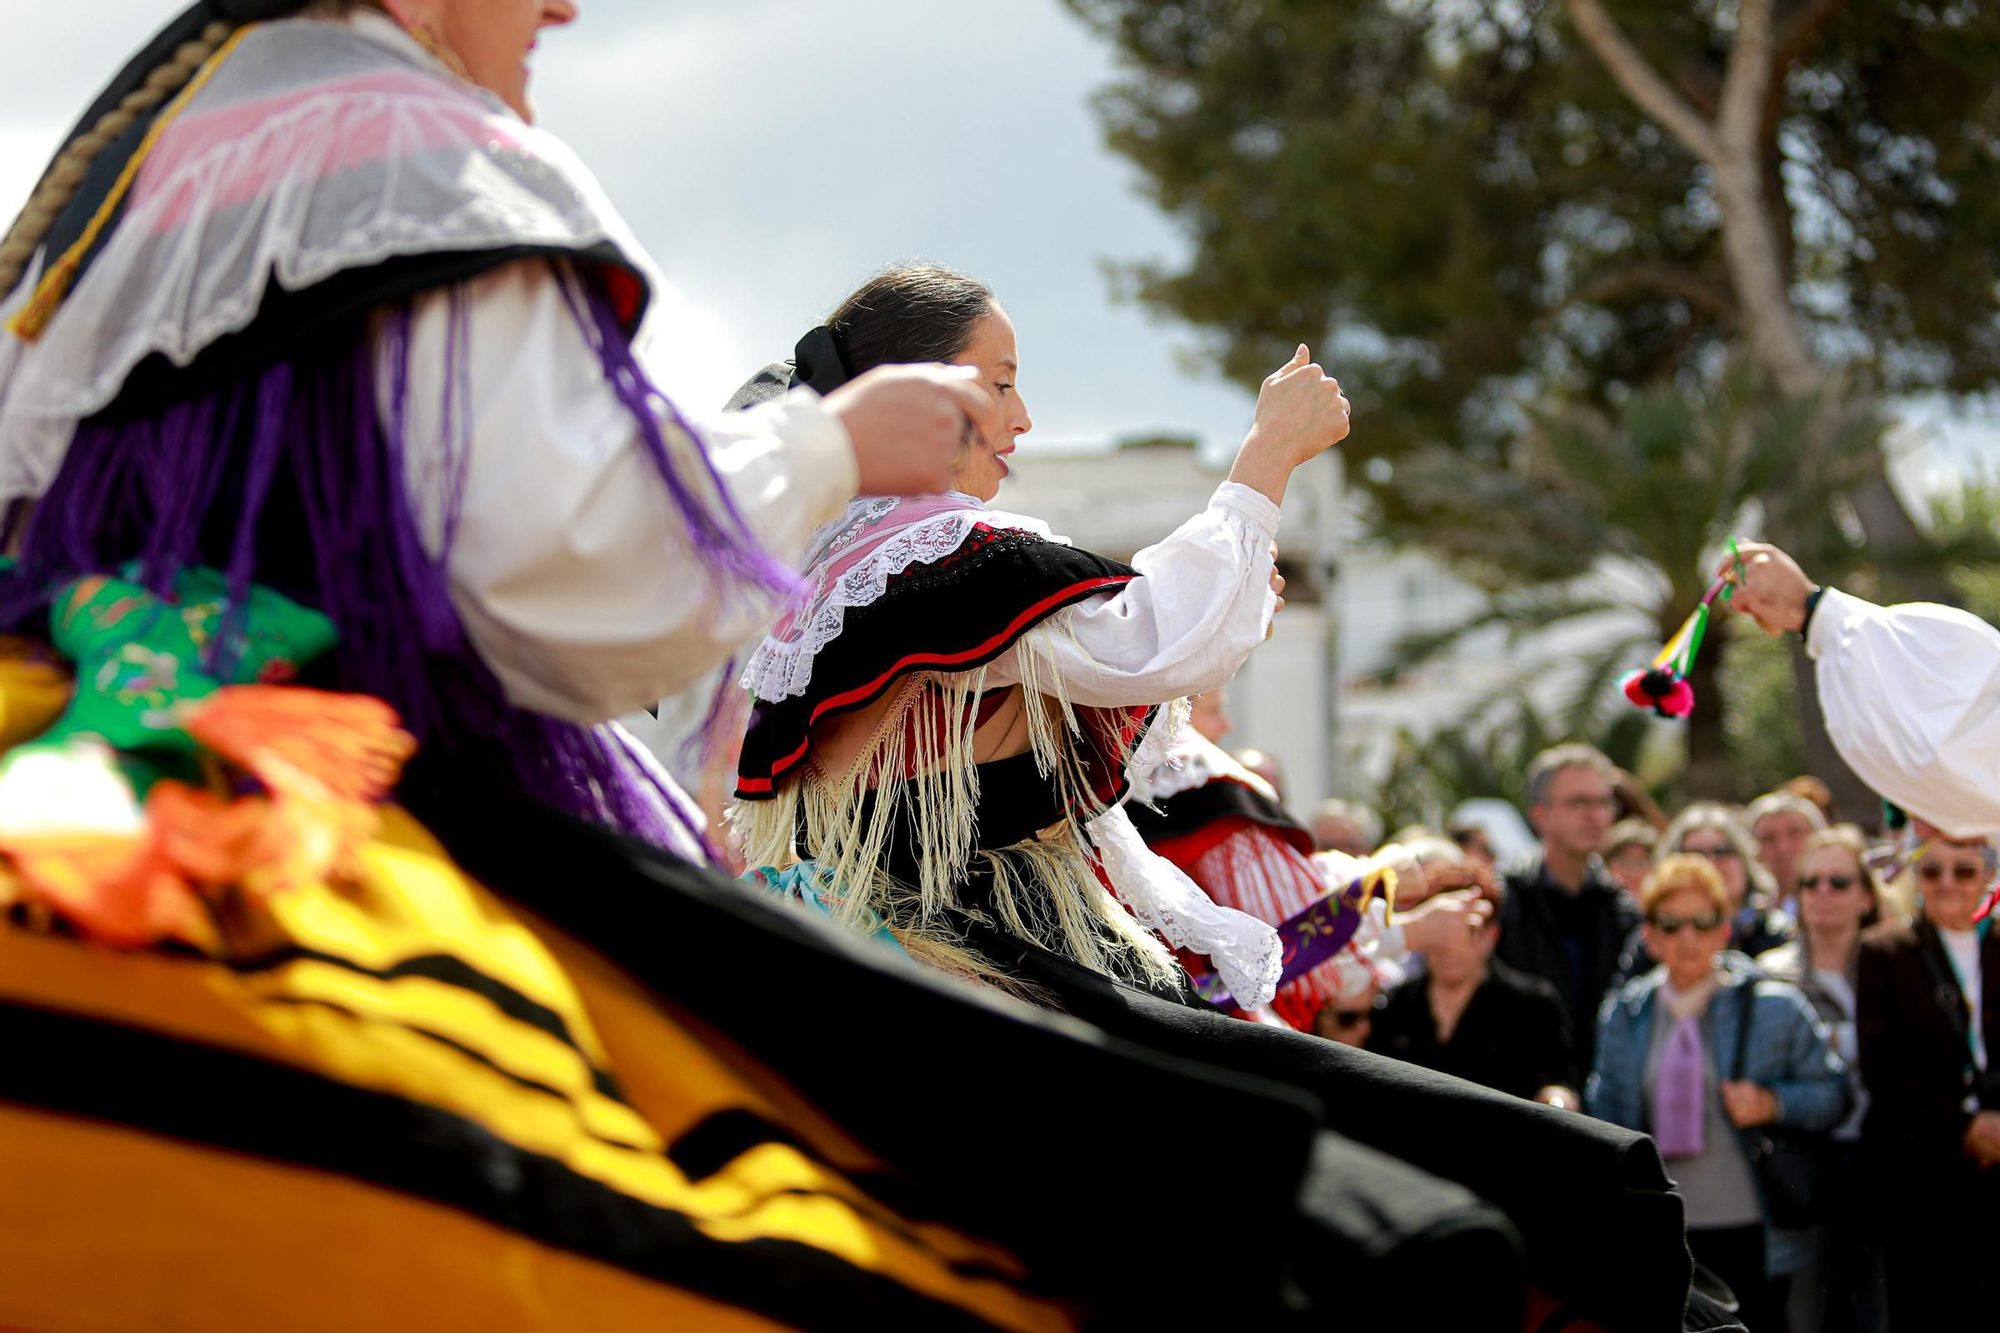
{"points": [[898, 590]]}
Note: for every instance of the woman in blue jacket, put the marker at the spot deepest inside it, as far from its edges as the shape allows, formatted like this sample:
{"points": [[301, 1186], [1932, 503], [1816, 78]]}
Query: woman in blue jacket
{"points": [[1667, 1064]]}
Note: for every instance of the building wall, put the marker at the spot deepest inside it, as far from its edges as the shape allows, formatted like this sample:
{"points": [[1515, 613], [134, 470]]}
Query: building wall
{"points": [[1313, 695], [1119, 500]]}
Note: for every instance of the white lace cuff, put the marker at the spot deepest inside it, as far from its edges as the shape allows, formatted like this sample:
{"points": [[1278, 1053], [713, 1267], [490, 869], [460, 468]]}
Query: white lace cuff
{"points": [[1245, 951]]}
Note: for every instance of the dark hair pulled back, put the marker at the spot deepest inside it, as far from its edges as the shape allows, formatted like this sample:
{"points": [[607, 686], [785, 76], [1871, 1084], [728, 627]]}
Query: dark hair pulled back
{"points": [[915, 313]]}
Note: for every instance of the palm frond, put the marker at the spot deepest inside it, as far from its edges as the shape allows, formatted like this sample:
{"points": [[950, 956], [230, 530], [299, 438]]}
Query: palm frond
{"points": [[1585, 711], [1519, 614]]}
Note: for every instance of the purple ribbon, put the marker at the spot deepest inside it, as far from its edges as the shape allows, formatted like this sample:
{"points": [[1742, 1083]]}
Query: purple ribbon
{"points": [[1309, 938]]}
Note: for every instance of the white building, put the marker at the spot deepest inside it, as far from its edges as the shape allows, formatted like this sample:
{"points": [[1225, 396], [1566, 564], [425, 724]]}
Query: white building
{"points": [[1120, 499], [1310, 695]]}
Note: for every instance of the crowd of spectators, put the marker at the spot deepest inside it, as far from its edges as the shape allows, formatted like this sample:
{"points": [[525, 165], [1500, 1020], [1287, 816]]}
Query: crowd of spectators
{"points": [[1807, 1043]]}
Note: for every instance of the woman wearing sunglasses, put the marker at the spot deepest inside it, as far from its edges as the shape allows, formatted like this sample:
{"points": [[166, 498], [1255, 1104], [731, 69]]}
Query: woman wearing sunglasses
{"points": [[1840, 1285], [1714, 830], [1668, 1063], [1928, 998]]}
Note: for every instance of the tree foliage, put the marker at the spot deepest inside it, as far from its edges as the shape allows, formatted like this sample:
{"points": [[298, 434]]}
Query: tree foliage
{"points": [[1487, 758], [1500, 217], [1597, 511], [1963, 524], [1460, 200]]}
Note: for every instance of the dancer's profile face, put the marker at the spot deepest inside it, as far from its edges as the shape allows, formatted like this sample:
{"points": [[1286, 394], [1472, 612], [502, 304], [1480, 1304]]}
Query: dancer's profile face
{"points": [[993, 354], [494, 39]]}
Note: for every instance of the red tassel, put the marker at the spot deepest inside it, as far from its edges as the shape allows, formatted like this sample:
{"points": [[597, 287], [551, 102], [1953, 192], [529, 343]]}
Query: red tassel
{"points": [[1665, 692]]}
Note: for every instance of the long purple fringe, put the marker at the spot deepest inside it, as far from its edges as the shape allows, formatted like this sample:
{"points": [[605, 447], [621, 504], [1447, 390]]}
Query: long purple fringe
{"points": [[296, 478]]}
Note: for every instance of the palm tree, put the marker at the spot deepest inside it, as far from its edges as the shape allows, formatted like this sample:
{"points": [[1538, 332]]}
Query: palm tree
{"points": [[1598, 512], [1430, 776]]}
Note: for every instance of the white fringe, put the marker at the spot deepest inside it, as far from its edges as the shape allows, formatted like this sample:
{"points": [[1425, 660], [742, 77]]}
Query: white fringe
{"points": [[1044, 890]]}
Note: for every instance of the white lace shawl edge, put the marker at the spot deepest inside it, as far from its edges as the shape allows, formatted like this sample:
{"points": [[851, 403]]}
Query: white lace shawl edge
{"points": [[780, 669], [1246, 952]]}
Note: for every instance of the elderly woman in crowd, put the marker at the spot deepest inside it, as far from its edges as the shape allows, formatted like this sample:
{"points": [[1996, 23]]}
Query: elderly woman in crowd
{"points": [[1346, 826], [1780, 822], [1628, 854], [1928, 997], [1713, 830], [1679, 1056], [1838, 897], [1469, 1014]]}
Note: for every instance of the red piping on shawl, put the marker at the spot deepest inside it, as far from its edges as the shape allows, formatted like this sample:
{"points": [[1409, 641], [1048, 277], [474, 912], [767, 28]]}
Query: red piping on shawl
{"points": [[1298, 839], [862, 693], [1184, 849]]}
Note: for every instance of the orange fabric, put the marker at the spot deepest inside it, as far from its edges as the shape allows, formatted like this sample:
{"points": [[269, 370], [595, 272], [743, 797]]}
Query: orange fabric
{"points": [[106, 1230], [448, 1046]]}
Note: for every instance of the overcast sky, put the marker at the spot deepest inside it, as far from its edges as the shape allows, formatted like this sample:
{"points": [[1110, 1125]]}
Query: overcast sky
{"points": [[772, 153]]}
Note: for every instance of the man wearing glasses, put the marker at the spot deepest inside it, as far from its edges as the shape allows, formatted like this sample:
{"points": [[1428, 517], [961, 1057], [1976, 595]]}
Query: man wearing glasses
{"points": [[1561, 918]]}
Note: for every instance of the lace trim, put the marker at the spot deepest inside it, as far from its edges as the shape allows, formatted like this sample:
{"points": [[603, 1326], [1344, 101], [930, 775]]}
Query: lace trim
{"points": [[782, 667], [293, 199], [1186, 761], [1246, 952]]}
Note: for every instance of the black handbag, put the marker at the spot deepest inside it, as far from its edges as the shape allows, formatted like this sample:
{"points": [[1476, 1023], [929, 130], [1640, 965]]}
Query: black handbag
{"points": [[1792, 1165]]}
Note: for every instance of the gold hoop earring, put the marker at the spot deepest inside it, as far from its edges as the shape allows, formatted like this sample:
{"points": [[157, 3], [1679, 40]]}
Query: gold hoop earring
{"points": [[423, 37]]}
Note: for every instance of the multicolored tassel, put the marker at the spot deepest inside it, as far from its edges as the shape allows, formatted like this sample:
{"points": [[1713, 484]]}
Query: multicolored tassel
{"points": [[1663, 685]]}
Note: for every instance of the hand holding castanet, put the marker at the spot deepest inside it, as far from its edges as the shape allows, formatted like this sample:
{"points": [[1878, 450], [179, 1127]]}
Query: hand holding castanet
{"points": [[909, 425]]}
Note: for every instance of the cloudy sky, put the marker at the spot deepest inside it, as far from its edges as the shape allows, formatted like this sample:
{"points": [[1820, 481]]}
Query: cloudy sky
{"points": [[772, 153]]}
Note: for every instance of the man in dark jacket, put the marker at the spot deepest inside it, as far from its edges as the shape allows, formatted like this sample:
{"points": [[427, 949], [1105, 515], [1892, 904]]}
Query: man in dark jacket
{"points": [[1562, 919]]}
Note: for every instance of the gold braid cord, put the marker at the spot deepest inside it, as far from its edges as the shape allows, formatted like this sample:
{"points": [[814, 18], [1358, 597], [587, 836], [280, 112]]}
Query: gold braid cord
{"points": [[65, 175]]}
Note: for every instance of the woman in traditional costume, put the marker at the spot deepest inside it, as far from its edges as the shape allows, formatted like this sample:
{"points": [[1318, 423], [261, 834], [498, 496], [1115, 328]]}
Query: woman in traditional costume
{"points": [[318, 368], [939, 738], [943, 719]]}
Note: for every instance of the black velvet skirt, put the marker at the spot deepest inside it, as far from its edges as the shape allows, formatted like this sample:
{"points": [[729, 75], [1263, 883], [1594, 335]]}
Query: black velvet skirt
{"points": [[1150, 1160]]}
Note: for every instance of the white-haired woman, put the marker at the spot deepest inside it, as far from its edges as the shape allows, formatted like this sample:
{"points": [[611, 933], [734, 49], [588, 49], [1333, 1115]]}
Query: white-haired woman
{"points": [[1840, 1283], [1928, 997], [1716, 831]]}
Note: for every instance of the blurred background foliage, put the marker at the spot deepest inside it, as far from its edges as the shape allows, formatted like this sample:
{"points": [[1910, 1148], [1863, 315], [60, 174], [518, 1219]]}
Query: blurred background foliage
{"points": [[1531, 273]]}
